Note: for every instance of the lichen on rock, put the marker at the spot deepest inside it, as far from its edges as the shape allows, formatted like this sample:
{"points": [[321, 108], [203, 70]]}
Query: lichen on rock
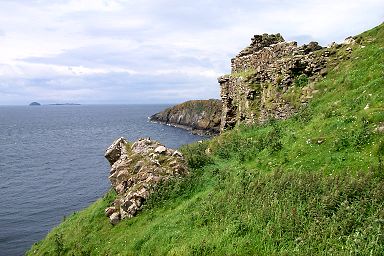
{"points": [[136, 169]]}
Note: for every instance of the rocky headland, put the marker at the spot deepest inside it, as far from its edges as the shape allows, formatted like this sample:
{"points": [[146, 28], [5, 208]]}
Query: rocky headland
{"points": [[269, 79], [198, 116]]}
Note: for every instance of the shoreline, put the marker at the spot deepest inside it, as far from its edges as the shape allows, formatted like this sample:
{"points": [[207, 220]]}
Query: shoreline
{"points": [[200, 132]]}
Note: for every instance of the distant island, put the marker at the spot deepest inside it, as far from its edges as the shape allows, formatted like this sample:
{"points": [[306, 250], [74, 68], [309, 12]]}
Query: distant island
{"points": [[54, 104], [65, 104]]}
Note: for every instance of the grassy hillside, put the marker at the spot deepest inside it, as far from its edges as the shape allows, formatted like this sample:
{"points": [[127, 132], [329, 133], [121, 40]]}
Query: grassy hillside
{"points": [[309, 185]]}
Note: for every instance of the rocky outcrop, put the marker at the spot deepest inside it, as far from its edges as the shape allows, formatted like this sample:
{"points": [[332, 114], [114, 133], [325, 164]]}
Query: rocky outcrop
{"points": [[136, 169], [270, 78], [198, 116], [379, 128]]}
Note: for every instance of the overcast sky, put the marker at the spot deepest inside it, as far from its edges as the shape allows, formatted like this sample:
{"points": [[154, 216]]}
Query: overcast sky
{"points": [[150, 51]]}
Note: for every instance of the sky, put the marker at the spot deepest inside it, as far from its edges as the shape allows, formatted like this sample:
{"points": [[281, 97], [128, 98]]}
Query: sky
{"points": [[151, 51]]}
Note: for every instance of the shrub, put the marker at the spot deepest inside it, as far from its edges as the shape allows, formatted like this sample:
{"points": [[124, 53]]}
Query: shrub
{"points": [[59, 244], [196, 154], [301, 80]]}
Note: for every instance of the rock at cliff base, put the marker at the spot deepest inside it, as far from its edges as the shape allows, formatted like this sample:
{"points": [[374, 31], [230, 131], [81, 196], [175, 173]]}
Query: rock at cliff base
{"points": [[136, 172]]}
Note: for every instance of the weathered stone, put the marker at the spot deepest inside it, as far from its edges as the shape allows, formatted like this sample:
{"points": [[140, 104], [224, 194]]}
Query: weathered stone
{"points": [[120, 188], [138, 166], [122, 175], [126, 205], [177, 153], [323, 71], [311, 47], [380, 128], [349, 40], [263, 74], [258, 42], [141, 146], [114, 218], [173, 163], [160, 149], [137, 171], [113, 152], [109, 211]]}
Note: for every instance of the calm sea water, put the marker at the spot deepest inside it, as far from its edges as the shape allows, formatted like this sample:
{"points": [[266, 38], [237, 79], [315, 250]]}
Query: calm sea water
{"points": [[52, 164]]}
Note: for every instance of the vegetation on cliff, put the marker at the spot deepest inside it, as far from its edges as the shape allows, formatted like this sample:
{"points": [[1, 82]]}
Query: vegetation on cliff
{"points": [[312, 184], [200, 116]]}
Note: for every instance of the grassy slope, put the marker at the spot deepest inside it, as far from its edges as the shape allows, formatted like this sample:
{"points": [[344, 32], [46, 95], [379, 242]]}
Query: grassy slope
{"points": [[313, 184]]}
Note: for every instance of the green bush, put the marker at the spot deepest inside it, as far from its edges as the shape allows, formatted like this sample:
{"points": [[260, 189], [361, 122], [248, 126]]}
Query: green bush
{"points": [[59, 244], [196, 154], [301, 80]]}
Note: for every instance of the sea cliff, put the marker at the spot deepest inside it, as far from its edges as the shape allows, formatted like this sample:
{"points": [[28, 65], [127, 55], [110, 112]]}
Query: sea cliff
{"points": [[198, 116]]}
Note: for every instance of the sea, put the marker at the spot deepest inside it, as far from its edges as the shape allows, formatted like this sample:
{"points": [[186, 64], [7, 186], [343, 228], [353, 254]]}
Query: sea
{"points": [[52, 162]]}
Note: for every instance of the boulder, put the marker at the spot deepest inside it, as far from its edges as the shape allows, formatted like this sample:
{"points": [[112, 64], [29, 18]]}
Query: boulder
{"points": [[136, 172], [380, 128], [114, 218], [160, 149], [114, 151], [177, 153], [109, 211], [349, 40]]}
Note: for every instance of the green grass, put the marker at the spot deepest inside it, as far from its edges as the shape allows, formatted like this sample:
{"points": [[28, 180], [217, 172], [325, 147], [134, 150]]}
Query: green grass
{"points": [[309, 185]]}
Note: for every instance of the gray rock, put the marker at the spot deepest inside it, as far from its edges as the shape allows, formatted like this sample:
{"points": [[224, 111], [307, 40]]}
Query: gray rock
{"points": [[137, 171], [114, 218], [113, 152], [380, 128], [138, 166], [160, 149], [349, 40], [177, 153], [109, 211], [261, 75]]}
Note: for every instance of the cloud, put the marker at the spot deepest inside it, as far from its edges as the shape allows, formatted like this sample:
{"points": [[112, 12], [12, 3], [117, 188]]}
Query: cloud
{"points": [[120, 51], [115, 87]]}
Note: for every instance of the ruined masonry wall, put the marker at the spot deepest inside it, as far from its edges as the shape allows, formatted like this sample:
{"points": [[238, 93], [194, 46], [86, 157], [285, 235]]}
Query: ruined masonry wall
{"points": [[262, 74]]}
